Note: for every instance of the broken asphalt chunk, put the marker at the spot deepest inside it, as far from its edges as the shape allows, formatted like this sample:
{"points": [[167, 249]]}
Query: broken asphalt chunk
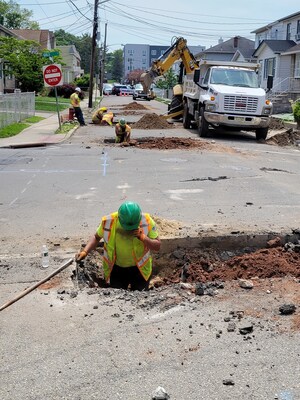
{"points": [[287, 309]]}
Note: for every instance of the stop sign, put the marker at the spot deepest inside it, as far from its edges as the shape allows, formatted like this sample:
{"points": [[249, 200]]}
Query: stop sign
{"points": [[52, 75]]}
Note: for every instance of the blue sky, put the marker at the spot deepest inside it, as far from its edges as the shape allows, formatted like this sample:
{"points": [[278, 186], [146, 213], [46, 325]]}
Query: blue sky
{"points": [[154, 22]]}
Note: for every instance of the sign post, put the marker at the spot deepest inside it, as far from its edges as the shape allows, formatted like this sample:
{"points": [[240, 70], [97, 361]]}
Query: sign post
{"points": [[52, 78]]}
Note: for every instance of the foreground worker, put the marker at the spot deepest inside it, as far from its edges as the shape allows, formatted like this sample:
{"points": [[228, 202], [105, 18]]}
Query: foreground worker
{"points": [[128, 236], [98, 115], [122, 131], [75, 103]]}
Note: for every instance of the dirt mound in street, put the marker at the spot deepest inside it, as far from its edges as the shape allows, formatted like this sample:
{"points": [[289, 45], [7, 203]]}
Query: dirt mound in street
{"points": [[276, 124], [174, 143], [134, 106], [287, 138], [152, 121], [208, 266]]}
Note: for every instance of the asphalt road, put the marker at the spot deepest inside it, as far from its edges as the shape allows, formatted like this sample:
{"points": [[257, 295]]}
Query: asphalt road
{"points": [[58, 343]]}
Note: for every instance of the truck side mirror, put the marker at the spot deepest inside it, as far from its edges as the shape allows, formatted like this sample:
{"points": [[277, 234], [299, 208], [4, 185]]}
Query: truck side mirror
{"points": [[196, 76], [270, 82]]}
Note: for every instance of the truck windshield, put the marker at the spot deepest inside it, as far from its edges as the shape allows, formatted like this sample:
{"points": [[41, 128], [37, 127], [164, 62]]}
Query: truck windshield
{"points": [[234, 77]]}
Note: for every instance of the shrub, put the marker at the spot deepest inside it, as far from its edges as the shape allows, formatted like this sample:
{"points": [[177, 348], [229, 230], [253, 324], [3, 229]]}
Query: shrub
{"points": [[63, 91], [296, 112]]}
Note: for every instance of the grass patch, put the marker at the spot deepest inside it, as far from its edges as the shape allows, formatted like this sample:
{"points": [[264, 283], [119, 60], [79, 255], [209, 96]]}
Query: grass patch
{"points": [[33, 120], [49, 104], [164, 101], [67, 127], [13, 129]]}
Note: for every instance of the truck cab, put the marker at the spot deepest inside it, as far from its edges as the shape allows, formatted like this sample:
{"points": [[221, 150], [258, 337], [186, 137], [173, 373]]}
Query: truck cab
{"points": [[226, 95]]}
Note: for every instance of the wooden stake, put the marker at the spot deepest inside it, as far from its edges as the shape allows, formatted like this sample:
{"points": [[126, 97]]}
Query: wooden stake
{"points": [[31, 288]]}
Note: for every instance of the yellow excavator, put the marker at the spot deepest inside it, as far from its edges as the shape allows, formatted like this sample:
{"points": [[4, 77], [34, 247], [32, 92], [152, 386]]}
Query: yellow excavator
{"points": [[177, 51]]}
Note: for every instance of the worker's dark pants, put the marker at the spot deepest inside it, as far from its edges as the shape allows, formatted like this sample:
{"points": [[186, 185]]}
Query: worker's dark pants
{"points": [[121, 278], [79, 115]]}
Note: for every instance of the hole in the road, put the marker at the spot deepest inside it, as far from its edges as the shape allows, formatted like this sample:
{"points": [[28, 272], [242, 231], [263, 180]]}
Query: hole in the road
{"points": [[210, 261]]}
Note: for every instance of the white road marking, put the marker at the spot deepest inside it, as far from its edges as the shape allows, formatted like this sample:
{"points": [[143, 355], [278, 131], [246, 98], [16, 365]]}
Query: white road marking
{"points": [[176, 194], [12, 202]]}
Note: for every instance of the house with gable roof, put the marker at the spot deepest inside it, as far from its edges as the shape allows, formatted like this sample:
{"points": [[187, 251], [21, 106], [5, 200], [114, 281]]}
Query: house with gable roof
{"points": [[278, 51]]}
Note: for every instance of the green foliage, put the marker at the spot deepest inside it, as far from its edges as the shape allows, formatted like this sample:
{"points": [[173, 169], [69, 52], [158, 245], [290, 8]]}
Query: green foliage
{"points": [[12, 16], [296, 110], [63, 91], [168, 81], [83, 81], [49, 104], [13, 129], [117, 65], [25, 62]]}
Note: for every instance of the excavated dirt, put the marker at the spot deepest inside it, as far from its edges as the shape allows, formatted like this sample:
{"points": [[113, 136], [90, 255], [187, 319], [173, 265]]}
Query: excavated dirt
{"points": [[134, 106], [276, 124], [286, 138], [175, 143], [211, 266], [152, 121]]}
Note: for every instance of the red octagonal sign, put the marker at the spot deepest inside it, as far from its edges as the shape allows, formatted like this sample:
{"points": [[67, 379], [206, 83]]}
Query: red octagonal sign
{"points": [[52, 75]]}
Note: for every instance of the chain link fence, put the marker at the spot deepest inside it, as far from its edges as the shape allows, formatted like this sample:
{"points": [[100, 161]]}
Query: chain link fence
{"points": [[15, 107]]}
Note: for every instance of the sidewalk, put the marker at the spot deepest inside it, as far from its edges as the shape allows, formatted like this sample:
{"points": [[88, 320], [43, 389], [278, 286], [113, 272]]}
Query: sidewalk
{"points": [[41, 133]]}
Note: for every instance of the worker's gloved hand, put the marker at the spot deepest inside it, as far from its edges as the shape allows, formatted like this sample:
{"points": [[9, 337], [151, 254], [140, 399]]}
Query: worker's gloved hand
{"points": [[80, 256], [139, 234]]}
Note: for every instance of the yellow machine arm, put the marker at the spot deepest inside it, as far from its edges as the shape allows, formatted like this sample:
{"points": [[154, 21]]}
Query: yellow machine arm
{"points": [[178, 51]]}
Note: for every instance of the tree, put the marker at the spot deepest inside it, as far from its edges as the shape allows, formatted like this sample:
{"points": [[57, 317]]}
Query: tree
{"points": [[168, 81], [24, 60], [296, 112], [134, 76], [12, 16], [117, 65]]}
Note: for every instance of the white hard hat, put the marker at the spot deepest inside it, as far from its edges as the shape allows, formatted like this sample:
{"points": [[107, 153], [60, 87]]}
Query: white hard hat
{"points": [[78, 89]]}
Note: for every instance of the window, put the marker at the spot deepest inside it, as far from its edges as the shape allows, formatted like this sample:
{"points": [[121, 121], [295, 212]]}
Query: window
{"points": [[298, 26], [269, 67], [144, 53], [288, 31], [153, 52], [297, 66]]}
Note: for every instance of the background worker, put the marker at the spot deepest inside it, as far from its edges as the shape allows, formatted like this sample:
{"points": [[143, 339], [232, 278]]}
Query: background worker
{"points": [[122, 131], [75, 103], [107, 119], [98, 115], [129, 235]]}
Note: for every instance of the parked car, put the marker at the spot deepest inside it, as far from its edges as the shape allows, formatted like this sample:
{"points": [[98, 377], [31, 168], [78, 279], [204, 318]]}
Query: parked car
{"points": [[118, 88], [107, 88], [138, 93]]}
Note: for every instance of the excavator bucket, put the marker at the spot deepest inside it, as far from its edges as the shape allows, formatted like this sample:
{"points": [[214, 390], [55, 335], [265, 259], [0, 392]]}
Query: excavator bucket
{"points": [[147, 79]]}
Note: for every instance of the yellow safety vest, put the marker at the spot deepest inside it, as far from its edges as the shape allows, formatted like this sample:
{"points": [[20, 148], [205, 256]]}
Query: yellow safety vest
{"points": [[140, 252], [75, 100]]}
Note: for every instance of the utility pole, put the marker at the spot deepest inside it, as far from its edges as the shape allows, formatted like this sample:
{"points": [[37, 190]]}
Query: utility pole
{"points": [[103, 56], [92, 66]]}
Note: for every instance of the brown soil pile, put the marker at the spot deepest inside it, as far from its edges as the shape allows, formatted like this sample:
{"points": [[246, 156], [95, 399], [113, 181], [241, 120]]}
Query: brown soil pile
{"points": [[134, 106], [174, 143], [208, 266], [287, 138], [152, 121], [276, 124]]}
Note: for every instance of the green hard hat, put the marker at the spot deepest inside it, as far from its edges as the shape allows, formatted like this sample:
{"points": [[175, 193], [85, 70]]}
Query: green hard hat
{"points": [[122, 122], [130, 215]]}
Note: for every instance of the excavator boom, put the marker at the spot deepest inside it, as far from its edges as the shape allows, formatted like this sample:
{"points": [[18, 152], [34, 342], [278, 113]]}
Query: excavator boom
{"points": [[178, 51]]}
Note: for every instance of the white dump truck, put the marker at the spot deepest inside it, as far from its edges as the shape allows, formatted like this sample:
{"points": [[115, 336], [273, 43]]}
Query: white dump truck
{"points": [[225, 95], [213, 94]]}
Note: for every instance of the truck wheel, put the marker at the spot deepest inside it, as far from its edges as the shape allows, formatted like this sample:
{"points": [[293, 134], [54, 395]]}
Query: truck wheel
{"points": [[133, 98], [187, 119], [261, 133], [176, 105], [203, 126]]}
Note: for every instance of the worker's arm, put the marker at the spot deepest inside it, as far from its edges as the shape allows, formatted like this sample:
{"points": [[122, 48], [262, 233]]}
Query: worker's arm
{"points": [[152, 244], [91, 245]]}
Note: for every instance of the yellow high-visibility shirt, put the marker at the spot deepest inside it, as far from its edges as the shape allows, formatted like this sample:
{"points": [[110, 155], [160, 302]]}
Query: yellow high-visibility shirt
{"points": [[124, 243]]}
